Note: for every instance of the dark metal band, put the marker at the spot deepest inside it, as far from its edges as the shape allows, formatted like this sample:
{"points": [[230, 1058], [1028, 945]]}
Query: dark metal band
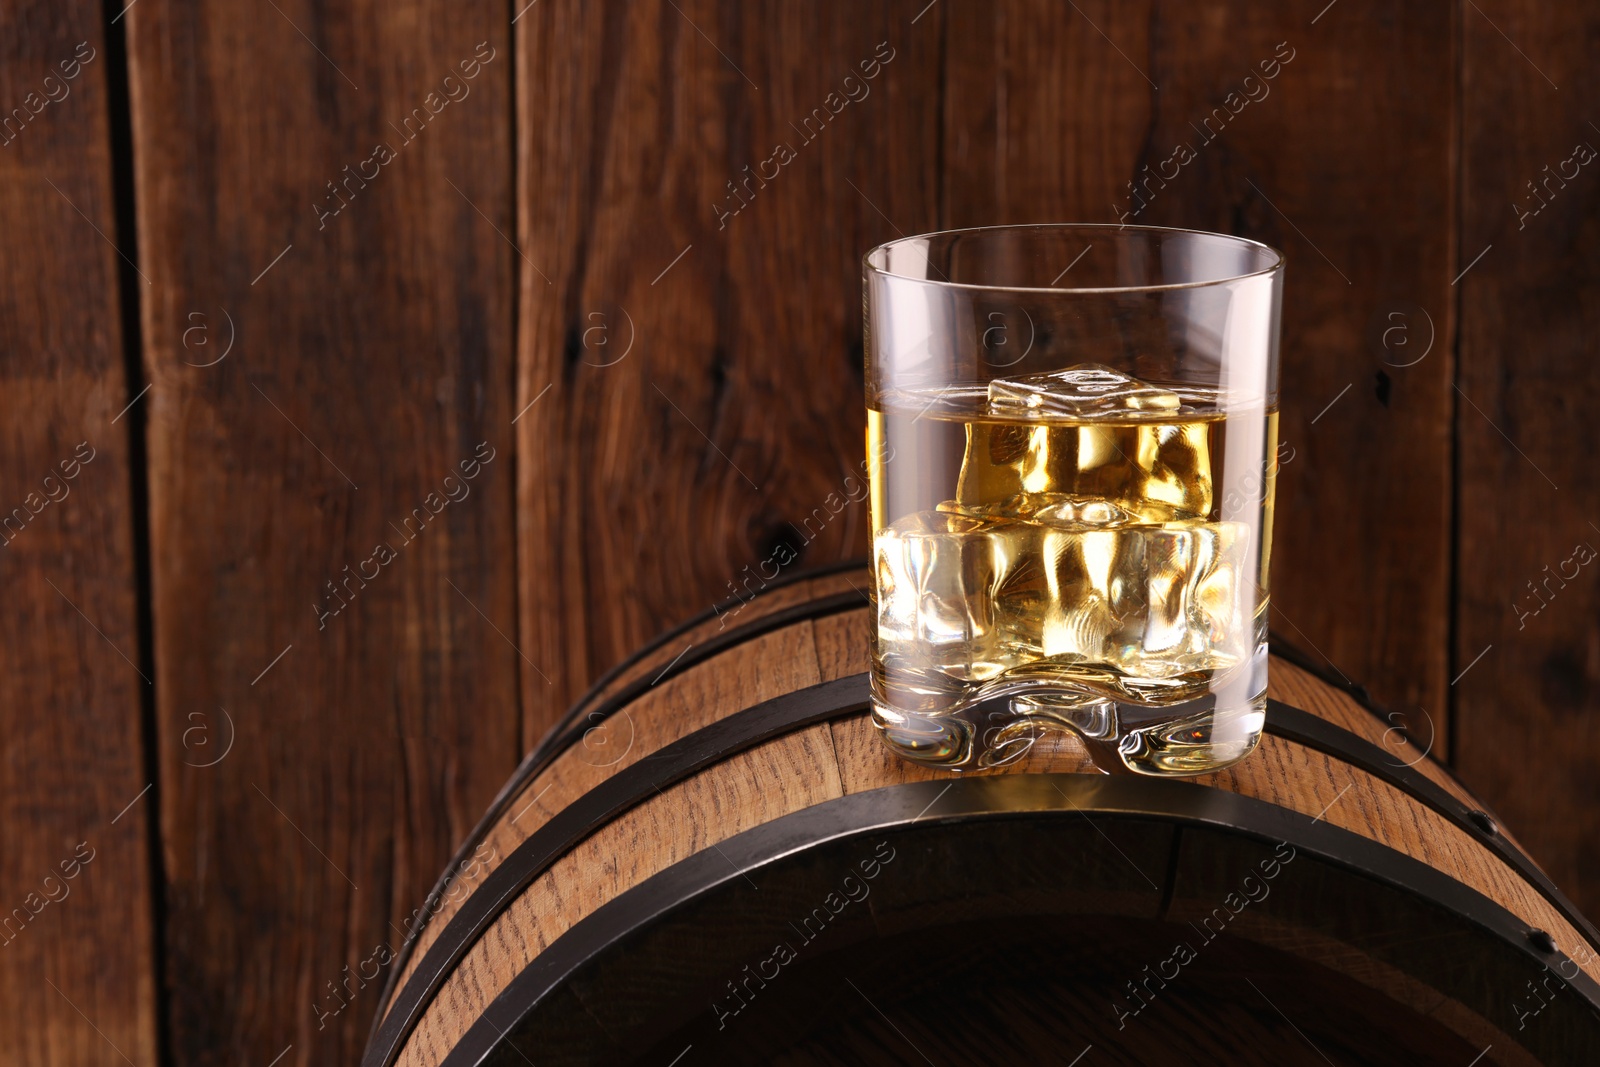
{"points": [[577, 722], [1303, 728], [605, 802], [1333, 678], [666, 638], [580, 718], [566, 731], [1326, 673], [1044, 797], [772, 718]]}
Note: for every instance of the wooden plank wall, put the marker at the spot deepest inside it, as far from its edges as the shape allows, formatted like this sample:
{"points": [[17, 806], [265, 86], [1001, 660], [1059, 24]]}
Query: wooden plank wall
{"points": [[1527, 647], [730, 426], [1332, 142], [465, 361], [78, 971], [333, 590]]}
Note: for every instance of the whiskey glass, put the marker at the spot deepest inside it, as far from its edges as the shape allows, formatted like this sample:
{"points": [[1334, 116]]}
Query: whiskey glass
{"points": [[1072, 443]]}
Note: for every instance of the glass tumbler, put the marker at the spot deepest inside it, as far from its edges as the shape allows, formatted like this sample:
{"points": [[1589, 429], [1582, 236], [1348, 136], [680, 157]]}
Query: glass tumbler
{"points": [[1072, 441]]}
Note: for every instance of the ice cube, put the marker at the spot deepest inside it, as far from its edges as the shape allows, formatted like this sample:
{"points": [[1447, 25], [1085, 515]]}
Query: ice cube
{"points": [[941, 577], [1068, 590], [1153, 601], [1087, 391], [1134, 465]]}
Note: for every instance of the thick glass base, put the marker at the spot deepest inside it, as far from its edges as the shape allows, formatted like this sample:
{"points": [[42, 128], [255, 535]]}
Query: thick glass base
{"points": [[1194, 738]]}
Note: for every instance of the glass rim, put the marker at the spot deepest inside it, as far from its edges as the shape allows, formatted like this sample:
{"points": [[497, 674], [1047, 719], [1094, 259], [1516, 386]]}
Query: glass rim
{"points": [[1276, 265]]}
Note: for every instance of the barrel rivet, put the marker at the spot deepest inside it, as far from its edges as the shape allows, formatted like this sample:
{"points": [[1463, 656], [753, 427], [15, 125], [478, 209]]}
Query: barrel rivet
{"points": [[1541, 941], [1482, 821]]}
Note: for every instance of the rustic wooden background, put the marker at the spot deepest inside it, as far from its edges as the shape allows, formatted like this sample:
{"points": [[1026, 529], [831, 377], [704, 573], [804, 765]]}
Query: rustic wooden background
{"points": [[281, 280]]}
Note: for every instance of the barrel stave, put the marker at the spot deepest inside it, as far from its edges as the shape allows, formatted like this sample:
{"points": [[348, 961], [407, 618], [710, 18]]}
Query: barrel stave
{"points": [[664, 696]]}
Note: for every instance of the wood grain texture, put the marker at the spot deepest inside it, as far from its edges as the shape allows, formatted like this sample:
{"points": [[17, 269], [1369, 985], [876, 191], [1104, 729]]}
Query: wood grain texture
{"points": [[1303, 690], [1289, 776], [1527, 648], [730, 436], [843, 643], [737, 614], [1313, 784], [766, 667], [845, 756], [738, 794], [620, 855], [1343, 160], [78, 979], [1375, 973], [779, 663], [557, 264], [373, 694]]}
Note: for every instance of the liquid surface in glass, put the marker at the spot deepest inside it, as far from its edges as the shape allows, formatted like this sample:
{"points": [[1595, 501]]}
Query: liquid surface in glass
{"points": [[1078, 549]]}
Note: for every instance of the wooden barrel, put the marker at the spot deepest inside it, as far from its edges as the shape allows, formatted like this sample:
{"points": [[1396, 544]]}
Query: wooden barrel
{"points": [[712, 860]]}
